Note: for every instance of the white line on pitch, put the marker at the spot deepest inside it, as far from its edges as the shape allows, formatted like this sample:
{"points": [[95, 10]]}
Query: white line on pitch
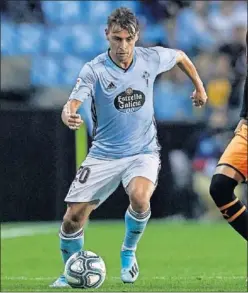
{"points": [[28, 230], [153, 278]]}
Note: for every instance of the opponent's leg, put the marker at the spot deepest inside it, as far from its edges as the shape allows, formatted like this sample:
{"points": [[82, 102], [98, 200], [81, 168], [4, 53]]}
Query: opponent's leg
{"points": [[71, 233], [140, 190], [222, 191]]}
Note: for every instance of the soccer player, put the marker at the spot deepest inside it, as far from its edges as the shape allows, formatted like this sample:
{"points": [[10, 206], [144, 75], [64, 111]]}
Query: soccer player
{"points": [[231, 170], [124, 149]]}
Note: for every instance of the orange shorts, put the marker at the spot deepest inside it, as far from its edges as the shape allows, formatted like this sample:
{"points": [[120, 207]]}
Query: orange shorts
{"points": [[235, 155]]}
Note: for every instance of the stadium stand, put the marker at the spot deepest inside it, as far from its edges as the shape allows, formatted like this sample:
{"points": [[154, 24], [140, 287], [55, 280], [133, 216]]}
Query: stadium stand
{"points": [[57, 37]]}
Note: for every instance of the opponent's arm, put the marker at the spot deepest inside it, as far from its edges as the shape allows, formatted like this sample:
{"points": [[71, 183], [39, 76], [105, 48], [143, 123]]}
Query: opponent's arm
{"points": [[199, 96], [69, 114]]}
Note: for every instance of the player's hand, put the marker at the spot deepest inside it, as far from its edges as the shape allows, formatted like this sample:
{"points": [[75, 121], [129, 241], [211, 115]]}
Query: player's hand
{"points": [[199, 98], [241, 122], [72, 120]]}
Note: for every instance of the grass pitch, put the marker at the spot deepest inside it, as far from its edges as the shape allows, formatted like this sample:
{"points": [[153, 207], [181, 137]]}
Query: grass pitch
{"points": [[182, 256]]}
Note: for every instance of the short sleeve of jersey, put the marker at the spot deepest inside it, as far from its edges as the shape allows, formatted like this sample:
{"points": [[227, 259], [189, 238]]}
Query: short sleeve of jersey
{"points": [[166, 58], [85, 84]]}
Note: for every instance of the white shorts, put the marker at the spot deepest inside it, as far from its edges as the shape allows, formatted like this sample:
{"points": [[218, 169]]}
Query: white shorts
{"points": [[97, 179]]}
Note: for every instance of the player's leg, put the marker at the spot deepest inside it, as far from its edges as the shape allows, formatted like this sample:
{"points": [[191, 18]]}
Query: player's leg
{"points": [[233, 210], [140, 190], [140, 181], [94, 182], [231, 170], [137, 215], [72, 234]]}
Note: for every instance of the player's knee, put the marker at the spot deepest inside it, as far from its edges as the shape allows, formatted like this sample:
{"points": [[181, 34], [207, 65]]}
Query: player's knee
{"points": [[216, 185], [71, 224], [140, 200], [221, 189]]}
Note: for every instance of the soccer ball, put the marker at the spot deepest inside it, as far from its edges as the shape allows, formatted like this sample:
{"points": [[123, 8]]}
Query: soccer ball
{"points": [[85, 269]]}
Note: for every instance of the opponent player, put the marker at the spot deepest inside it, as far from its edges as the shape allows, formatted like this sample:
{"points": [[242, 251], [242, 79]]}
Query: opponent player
{"points": [[124, 149], [231, 170]]}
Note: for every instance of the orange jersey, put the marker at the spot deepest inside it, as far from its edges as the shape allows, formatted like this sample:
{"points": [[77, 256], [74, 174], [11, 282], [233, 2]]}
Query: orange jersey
{"points": [[235, 155]]}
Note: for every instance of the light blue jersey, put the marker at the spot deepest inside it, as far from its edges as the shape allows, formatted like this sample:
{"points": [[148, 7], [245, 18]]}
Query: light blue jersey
{"points": [[122, 101]]}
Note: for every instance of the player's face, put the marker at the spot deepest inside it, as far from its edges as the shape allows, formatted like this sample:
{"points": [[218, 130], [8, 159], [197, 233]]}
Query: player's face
{"points": [[121, 43]]}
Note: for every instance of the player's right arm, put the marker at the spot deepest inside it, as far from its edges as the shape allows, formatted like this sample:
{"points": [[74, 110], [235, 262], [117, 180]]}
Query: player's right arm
{"points": [[83, 89], [69, 115]]}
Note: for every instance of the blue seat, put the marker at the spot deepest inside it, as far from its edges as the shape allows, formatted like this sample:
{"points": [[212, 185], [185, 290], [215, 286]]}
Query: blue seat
{"points": [[153, 34], [71, 67], [8, 38], [46, 71], [63, 12], [77, 40], [74, 12], [52, 11], [191, 34], [134, 5], [30, 39], [58, 39], [102, 43], [100, 10], [82, 39], [171, 101]]}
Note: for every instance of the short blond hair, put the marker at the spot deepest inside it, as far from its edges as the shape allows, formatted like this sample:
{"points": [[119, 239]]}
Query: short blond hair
{"points": [[124, 18]]}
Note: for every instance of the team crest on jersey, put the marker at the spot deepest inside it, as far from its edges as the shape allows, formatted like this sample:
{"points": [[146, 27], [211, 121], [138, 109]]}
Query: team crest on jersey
{"points": [[146, 76], [129, 101]]}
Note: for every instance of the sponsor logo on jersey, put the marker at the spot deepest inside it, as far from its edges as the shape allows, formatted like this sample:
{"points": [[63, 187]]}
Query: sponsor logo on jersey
{"points": [[129, 101], [111, 86]]}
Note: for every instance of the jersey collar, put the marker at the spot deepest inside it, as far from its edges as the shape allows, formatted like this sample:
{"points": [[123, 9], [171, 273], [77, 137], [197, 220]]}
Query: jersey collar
{"points": [[117, 67]]}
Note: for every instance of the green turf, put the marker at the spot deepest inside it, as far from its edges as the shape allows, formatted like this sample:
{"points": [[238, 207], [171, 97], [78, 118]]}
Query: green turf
{"points": [[172, 257]]}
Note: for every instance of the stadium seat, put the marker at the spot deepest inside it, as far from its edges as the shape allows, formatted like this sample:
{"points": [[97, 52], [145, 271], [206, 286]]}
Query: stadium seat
{"points": [[76, 39], [102, 43], [8, 38], [46, 71], [192, 34], [153, 34], [103, 9], [134, 5], [171, 101], [82, 39], [51, 10], [58, 39], [100, 10], [30, 38], [71, 68], [65, 12], [74, 12]]}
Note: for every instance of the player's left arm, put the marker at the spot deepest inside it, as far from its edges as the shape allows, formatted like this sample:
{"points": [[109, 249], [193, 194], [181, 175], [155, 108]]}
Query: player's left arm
{"points": [[199, 96]]}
